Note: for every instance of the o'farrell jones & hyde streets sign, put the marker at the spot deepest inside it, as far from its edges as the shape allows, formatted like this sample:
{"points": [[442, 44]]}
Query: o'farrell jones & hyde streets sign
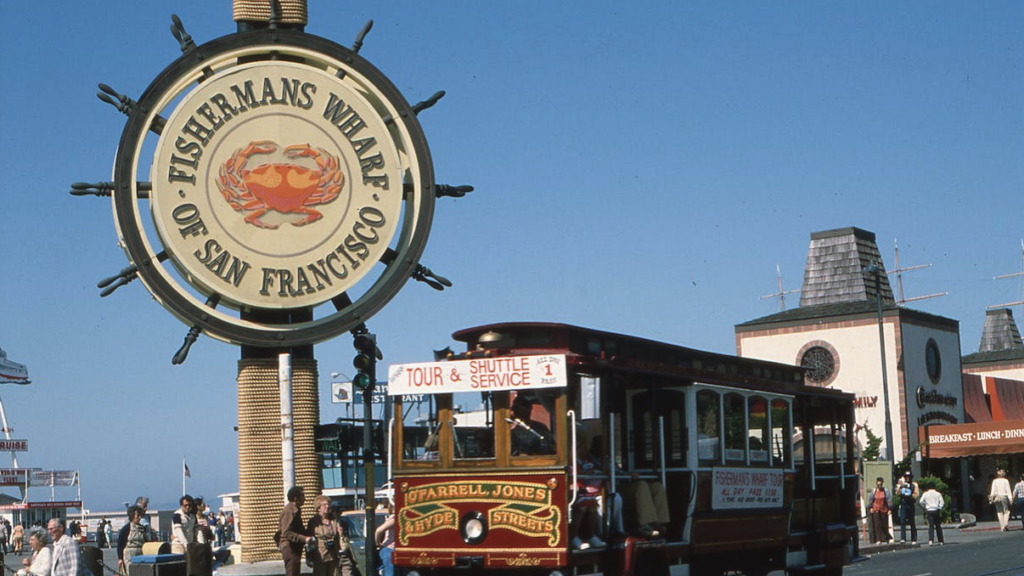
{"points": [[276, 185]]}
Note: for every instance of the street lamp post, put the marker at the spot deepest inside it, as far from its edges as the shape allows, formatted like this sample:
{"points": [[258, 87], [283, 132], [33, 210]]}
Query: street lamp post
{"points": [[875, 269]]}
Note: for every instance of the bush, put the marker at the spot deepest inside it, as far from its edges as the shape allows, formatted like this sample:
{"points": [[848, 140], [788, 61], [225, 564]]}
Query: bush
{"points": [[925, 483]]}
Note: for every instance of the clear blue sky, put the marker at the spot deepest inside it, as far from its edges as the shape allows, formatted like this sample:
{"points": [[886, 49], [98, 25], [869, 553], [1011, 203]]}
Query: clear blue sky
{"points": [[639, 168]]}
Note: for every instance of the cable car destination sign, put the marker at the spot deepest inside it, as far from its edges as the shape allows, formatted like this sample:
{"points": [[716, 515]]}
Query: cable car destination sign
{"points": [[478, 375], [289, 174]]}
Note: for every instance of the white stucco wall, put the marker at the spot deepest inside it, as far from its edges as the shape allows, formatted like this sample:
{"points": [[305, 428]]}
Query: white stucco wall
{"points": [[859, 371]]}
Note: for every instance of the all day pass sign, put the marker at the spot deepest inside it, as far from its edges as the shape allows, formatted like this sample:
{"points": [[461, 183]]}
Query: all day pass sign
{"points": [[478, 375]]}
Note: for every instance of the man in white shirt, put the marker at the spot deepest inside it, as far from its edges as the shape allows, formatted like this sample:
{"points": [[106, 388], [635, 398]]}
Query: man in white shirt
{"points": [[183, 525], [933, 503]]}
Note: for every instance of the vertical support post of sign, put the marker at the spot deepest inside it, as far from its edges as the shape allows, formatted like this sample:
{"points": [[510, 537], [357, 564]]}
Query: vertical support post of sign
{"points": [[261, 479], [7, 432], [259, 501], [284, 378]]}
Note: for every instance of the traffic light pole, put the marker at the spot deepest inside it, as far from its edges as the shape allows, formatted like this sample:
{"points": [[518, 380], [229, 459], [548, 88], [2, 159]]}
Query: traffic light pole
{"points": [[370, 493], [365, 379]]}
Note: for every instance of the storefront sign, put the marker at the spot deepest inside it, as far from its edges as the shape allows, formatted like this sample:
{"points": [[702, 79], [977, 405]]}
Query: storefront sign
{"points": [[955, 440], [43, 505], [342, 393], [746, 488], [14, 476], [478, 375]]}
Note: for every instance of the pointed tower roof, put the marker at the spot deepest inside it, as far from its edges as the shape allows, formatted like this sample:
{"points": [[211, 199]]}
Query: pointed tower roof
{"points": [[1000, 332], [835, 268]]}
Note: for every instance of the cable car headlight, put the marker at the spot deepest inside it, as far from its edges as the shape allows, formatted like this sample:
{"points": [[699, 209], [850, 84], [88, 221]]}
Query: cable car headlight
{"points": [[473, 528]]}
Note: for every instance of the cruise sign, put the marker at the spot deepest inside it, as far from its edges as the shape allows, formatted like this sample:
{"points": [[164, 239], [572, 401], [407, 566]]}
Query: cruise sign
{"points": [[478, 375], [13, 445]]}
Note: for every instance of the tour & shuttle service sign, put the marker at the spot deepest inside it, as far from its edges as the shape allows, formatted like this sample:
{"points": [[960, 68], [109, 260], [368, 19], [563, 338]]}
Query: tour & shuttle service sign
{"points": [[515, 373]]}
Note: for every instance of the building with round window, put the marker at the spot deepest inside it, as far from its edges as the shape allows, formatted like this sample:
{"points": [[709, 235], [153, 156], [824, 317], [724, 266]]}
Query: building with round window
{"points": [[834, 334]]}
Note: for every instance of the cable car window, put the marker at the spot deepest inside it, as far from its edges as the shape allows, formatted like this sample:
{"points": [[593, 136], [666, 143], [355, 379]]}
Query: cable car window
{"points": [[473, 433], [531, 423], [708, 433], [758, 439], [781, 436], [735, 428], [676, 423]]}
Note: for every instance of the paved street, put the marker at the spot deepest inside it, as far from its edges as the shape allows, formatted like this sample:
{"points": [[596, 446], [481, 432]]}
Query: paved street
{"points": [[981, 550]]}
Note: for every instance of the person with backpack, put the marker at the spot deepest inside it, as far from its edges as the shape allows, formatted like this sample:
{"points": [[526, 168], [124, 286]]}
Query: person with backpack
{"points": [[908, 492]]}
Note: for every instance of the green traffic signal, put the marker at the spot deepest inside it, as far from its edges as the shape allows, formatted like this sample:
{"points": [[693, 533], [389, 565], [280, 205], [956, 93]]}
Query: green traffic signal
{"points": [[362, 381], [365, 361]]}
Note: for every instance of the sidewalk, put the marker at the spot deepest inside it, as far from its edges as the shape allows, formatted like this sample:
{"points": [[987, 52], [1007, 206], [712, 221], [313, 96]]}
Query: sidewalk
{"points": [[952, 533]]}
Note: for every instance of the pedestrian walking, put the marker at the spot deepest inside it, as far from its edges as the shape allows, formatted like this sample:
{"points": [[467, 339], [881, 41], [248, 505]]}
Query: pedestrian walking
{"points": [[933, 503], [292, 532], [1000, 496], [1018, 498]]}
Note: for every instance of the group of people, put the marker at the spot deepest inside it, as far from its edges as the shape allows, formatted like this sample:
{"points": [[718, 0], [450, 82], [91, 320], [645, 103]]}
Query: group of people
{"points": [[1004, 499], [324, 540], [12, 540], [62, 558], [105, 533], [881, 507]]}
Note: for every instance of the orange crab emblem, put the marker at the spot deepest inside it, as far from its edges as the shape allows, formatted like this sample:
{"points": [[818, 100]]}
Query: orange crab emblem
{"points": [[283, 188]]}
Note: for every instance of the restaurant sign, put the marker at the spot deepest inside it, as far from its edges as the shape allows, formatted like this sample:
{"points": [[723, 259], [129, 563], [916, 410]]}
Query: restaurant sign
{"points": [[956, 440]]}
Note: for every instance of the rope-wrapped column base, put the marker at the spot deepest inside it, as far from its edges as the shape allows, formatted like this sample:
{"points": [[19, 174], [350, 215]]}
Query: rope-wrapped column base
{"points": [[292, 11], [260, 483]]}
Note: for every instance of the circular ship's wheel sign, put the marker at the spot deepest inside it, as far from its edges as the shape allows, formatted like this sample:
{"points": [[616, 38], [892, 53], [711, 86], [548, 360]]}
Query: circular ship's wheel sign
{"points": [[273, 171]]}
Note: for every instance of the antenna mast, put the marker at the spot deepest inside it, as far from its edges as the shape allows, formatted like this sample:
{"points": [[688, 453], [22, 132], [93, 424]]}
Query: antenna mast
{"points": [[899, 278], [781, 294], [1014, 275]]}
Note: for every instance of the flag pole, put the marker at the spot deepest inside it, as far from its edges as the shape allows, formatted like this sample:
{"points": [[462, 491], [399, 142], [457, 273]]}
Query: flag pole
{"points": [[183, 465]]}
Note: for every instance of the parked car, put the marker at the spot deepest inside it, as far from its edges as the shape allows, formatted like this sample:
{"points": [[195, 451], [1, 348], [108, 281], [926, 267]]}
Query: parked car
{"points": [[354, 524]]}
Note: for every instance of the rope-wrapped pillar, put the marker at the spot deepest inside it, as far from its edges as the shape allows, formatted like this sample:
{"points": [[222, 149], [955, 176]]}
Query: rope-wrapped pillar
{"points": [[294, 13], [260, 475], [261, 489]]}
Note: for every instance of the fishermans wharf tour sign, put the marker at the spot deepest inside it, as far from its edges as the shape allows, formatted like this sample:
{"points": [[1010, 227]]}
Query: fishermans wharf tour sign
{"points": [[288, 174]]}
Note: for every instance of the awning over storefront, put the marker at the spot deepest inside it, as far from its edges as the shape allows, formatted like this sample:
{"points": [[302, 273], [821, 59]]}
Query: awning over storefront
{"points": [[1007, 398], [959, 440], [975, 405]]}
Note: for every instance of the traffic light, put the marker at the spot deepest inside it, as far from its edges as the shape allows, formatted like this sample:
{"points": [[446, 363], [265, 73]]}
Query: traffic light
{"points": [[365, 361]]}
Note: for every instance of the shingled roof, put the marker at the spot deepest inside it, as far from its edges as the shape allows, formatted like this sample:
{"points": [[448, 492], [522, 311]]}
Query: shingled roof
{"points": [[1000, 332], [835, 284], [835, 268]]}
